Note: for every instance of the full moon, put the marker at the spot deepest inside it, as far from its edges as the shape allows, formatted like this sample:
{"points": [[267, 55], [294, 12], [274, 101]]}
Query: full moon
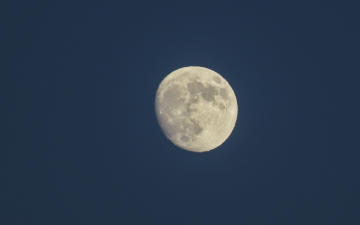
{"points": [[196, 108]]}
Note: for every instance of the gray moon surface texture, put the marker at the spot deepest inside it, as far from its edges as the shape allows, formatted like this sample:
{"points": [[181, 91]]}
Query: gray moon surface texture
{"points": [[196, 108]]}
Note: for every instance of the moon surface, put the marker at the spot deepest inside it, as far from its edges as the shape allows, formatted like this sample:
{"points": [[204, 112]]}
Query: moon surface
{"points": [[196, 108]]}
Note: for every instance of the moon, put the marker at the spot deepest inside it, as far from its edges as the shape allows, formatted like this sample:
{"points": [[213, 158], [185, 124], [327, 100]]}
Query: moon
{"points": [[196, 108]]}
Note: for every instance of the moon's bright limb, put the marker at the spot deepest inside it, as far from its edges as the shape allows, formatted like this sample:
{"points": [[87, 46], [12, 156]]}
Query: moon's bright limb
{"points": [[196, 108]]}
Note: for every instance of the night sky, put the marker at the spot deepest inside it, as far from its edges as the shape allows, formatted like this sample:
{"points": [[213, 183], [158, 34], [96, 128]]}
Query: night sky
{"points": [[82, 144]]}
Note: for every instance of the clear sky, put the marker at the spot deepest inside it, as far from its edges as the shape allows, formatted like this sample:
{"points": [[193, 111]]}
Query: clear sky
{"points": [[81, 141]]}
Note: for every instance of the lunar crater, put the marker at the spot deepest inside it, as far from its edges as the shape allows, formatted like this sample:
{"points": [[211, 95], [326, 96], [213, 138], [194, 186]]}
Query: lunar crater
{"points": [[217, 79]]}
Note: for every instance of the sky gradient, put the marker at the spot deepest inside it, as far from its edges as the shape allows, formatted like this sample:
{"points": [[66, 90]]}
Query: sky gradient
{"points": [[82, 144]]}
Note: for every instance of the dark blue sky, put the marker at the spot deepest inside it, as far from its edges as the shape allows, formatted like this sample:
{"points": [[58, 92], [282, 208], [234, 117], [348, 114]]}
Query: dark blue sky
{"points": [[82, 145]]}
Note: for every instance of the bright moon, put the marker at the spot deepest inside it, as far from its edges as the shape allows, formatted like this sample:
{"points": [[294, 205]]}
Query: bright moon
{"points": [[196, 108]]}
